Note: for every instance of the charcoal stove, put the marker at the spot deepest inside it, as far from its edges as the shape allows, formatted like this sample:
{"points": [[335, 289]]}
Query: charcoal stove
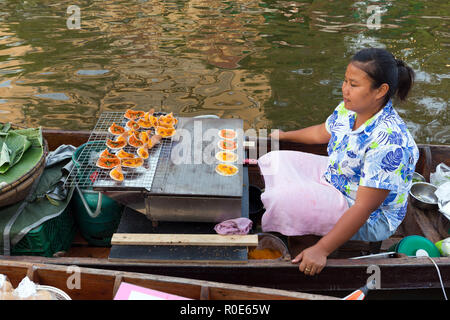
{"points": [[178, 181]]}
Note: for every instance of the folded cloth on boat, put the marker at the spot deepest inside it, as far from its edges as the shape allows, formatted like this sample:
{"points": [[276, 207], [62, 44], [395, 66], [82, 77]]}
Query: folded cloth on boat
{"points": [[45, 202], [234, 226], [63, 152]]}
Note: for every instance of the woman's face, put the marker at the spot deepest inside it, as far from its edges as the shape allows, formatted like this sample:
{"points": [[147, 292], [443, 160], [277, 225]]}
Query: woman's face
{"points": [[358, 93]]}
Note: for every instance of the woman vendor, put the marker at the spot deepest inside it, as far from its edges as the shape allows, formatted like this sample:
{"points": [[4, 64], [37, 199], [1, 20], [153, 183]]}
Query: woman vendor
{"points": [[358, 192]]}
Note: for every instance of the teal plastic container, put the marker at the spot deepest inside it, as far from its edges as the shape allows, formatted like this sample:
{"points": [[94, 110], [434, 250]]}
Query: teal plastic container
{"points": [[96, 230], [97, 215], [411, 244]]}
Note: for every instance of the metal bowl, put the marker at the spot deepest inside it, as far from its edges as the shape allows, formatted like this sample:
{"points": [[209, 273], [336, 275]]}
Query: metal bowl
{"points": [[417, 177], [422, 196]]}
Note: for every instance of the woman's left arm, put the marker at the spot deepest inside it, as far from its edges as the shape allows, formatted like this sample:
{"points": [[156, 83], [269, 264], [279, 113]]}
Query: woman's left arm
{"points": [[313, 259]]}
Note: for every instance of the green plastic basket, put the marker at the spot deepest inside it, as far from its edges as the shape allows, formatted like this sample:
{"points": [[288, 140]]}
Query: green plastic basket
{"points": [[49, 238], [97, 216]]}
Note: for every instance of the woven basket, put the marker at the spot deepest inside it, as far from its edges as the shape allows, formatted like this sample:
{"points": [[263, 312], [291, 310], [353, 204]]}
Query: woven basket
{"points": [[18, 190]]}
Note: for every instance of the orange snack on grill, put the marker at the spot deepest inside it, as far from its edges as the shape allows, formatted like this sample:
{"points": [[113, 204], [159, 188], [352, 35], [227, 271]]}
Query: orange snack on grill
{"points": [[133, 115], [144, 136], [165, 125], [121, 154], [116, 174], [116, 129], [117, 144], [134, 141], [167, 121], [106, 154], [132, 162], [133, 125], [165, 132], [147, 115], [143, 152], [154, 121], [146, 124], [108, 163]]}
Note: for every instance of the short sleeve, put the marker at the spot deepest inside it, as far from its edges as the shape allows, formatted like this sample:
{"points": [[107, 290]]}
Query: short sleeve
{"points": [[331, 121], [384, 167], [338, 119], [327, 124]]}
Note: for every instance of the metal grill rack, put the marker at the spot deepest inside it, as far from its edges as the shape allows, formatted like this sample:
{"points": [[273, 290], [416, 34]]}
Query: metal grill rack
{"points": [[149, 176]]}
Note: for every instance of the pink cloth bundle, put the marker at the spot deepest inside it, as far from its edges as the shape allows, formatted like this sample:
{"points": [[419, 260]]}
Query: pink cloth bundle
{"points": [[234, 226], [297, 198]]}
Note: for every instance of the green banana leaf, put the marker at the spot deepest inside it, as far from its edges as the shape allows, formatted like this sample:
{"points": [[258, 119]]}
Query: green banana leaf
{"points": [[13, 147], [20, 151]]}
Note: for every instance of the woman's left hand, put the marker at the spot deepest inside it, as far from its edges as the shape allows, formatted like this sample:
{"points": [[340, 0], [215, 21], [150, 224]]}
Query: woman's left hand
{"points": [[312, 260]]}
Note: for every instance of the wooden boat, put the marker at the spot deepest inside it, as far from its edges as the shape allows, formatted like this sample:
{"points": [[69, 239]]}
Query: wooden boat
{"points": [[81, 283], [399, 274]]}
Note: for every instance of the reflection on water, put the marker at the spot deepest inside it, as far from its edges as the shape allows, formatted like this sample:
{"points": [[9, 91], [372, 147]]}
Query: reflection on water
{"points": [[274, 64]]}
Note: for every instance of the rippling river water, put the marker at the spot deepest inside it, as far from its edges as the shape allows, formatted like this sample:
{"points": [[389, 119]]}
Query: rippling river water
{"points": [[274, 64]]}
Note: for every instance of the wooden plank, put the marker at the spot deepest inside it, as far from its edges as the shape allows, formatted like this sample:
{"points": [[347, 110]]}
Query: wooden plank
{"points": [[178, 254], [148, 239]]}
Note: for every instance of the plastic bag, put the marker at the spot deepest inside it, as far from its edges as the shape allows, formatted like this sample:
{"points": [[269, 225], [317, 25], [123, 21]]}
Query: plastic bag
{"points": [[26, 290], [441, 176], [6, 288], [441, 179], [443, 195]]}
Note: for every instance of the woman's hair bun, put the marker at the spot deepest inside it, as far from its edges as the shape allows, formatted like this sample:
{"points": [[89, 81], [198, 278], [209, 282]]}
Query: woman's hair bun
{"points": [[406, 77], [400, 63]]}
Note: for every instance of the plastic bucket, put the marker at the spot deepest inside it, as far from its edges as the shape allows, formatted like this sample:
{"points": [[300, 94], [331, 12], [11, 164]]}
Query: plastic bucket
{"points": [[96, 214]]}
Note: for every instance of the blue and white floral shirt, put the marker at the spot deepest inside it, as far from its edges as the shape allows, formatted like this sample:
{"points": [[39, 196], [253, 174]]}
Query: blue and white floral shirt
{"points": [[381, 153]]}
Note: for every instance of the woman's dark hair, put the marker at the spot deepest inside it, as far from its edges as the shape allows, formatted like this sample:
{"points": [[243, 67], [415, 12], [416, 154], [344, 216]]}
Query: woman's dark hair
{"points": [[382, 67]]}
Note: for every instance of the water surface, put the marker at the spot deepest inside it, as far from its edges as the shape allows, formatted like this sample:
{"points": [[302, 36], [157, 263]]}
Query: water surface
{"points": [[274, 64]]}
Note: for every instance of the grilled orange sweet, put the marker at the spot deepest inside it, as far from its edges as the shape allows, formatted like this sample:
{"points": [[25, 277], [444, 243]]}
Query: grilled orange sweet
{"points": [[146, 124], [133, 115], [121, 154], [165, 132], [144, 136], [116, 129], [167, 121], [133, 125], [143, 152], [116, 174], [118, 144], [153, 120], [134, 141], [108, 163], [132, 162], [106, 154]]}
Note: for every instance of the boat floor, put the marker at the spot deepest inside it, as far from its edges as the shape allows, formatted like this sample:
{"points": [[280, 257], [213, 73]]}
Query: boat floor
{"points": [[429, 224]]}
